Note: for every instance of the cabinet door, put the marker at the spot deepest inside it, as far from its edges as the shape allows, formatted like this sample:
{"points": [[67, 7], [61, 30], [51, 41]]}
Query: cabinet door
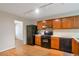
{"points": [[67, 22], [75, 47], [57, 24], [38, 40], [40, 24], [49, 23], [76, 22], [55, 42]]}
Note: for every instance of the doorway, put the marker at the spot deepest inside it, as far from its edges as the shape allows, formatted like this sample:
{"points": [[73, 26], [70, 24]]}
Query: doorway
{"points": [[19, 30], [19, 36]]}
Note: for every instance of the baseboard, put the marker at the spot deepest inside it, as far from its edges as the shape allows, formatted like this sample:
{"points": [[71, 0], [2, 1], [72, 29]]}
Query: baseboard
{"points": [[7, 49]]}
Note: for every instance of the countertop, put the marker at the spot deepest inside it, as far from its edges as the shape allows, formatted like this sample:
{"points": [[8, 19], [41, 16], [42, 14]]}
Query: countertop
{"points": [[38, 35], [77, 39]]}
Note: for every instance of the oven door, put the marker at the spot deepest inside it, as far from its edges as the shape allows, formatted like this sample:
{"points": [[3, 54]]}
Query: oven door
{"points": [[45, 42]]}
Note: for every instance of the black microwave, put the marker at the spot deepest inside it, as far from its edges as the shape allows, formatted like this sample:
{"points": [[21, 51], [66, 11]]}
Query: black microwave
{"points": [[48, 33]]}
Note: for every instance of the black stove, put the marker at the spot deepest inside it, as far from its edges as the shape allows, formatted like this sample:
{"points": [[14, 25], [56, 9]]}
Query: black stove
{"points": [[45, 41]]}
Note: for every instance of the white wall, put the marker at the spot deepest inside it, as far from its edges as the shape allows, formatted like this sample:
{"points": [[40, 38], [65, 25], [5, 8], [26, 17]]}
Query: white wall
{"points": [[25, 23], [7, 30], [67, 33], [7, 33]]}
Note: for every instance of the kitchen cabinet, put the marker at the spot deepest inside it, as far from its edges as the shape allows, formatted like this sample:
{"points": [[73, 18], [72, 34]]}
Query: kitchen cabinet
{"points": [[76, 22], [60, 43], [56, 24], [71, 22], [68, 22], [55, 42], [66, 44], [40, 25], [75, 47], [38, 40], [49, 23]]}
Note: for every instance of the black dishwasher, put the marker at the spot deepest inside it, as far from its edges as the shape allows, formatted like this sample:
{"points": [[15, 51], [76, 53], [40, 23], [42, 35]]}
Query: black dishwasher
{"points": [[66, 44], [45, 41]]}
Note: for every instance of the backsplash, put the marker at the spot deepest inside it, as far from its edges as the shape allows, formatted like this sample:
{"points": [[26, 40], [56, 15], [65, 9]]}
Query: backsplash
{"points": [[67, 32], [41, 32], [64, 32]]}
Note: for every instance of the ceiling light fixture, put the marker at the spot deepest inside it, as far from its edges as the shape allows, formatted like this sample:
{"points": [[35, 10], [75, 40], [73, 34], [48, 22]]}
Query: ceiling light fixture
{"points": [[37, 10]]}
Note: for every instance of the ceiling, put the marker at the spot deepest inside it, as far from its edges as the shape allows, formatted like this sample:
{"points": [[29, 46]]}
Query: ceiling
{"points": [[26, 10]]}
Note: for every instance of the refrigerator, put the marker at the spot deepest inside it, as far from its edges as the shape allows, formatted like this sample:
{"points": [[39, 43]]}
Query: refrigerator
{"points": [[31, 31]]}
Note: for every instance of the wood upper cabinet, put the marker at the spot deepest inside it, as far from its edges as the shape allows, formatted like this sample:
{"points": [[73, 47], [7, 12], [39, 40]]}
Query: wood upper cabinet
{"points": [[38, 40], [76, 21], [67, 22], [40, 24], [75, 47], [49, 23], [55, 42], [56, 24], [71, 22]]}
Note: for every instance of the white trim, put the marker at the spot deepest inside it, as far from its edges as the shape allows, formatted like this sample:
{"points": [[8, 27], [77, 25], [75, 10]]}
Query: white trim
{"points": [[7, 49]]}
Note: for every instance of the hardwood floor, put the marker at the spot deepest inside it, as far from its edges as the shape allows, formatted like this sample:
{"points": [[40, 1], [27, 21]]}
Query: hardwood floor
{"points": [[28, 50]]}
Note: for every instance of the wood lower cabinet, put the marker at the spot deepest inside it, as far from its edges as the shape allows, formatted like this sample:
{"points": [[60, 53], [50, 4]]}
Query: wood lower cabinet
{"points": [[64, 44], [68, 22], [75, 47], [38, 40], [56, 24], [55, 42]]}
